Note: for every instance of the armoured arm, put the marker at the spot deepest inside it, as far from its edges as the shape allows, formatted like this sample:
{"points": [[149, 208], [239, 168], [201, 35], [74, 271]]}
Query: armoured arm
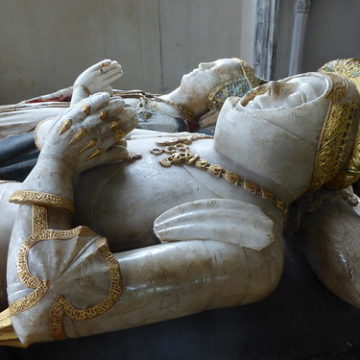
{"points": [[81, 138]]}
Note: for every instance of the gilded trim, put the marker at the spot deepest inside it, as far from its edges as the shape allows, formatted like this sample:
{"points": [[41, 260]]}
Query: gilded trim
{"points": [[335, 144], [337, 136], [8, 336], [180, 153], [40, 286], [350, 69], [61, 306], [41, 198], [239, 86]]}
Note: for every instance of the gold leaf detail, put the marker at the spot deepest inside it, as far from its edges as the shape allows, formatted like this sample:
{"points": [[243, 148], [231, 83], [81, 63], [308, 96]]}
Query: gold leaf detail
{"points": [[66, 125], [89, 145], [79, 135]]}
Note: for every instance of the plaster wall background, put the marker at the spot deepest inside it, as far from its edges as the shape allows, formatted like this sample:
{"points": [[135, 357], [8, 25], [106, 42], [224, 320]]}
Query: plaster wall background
{"points": [[332, 32], [46, 44]]}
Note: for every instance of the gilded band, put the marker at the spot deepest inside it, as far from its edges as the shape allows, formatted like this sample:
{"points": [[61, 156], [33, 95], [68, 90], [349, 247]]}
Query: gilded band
{"points": [[41, 198]]}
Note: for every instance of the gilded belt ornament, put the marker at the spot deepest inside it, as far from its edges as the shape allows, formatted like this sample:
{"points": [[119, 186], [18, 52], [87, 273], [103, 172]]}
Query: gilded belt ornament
{"points": [[61, 306], [180, 154]]}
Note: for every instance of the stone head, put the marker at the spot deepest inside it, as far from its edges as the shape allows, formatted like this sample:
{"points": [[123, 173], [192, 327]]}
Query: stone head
{"points": [[298, 133], [212, 82]]}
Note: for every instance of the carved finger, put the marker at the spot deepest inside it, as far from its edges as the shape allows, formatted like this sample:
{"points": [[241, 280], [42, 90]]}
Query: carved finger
{"points": [[94, 154], [116, 153], [66, 125], [111, 66], [86, 108], [78, 136], [113, 75], [103, 115], [119, 134], [129, 112], [100, 64], [115, 107], [96, 102], [92, 143], [123, 126]]}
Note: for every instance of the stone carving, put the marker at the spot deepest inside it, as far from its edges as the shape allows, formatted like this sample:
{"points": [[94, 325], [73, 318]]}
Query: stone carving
{"points": [[180, 110], [182, 239]]}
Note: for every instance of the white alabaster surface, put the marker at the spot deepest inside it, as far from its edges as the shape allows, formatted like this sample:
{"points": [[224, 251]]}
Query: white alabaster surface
{"points": [[172, 279], [212, 245], [7, 218], [329, 239], [192, 93], [23, 118], [234, 222], [138, 192], [268, 150]]}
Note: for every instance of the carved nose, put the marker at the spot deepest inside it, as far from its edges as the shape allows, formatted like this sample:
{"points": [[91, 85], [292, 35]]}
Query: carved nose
{"points": [[206, 66], [274, 88]]}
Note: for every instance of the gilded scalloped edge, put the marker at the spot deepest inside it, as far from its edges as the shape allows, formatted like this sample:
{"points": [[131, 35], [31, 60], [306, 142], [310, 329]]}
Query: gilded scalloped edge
{"points": [[62, 306]]}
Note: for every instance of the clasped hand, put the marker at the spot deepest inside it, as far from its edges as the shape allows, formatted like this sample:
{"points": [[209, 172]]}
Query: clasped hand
{"points": [[91, 132]]}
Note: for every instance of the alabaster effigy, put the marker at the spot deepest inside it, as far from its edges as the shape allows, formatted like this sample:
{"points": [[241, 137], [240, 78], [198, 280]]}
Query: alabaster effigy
{"points": [[180, 110], [167, 225]]}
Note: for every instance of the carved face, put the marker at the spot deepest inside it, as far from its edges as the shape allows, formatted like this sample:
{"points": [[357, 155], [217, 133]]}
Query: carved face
{"points": [[288, 93], [274, 130], [202, 80]]}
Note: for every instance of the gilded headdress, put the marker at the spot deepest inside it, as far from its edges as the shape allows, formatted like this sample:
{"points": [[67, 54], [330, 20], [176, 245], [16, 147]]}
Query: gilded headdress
{"points": [[337, 161], [238, 86]]}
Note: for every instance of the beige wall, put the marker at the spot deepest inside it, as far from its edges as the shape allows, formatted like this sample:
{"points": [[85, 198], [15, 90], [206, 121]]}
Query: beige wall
{"points": [[46, 43], [333, 32]]}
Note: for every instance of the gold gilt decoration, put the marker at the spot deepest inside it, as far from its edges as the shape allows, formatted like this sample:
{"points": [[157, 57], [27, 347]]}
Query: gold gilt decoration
{"points": [[61, 307], [8, 336], [78, 136], [349, 68], [89, 145], [94, 154], [86, 109], [180, 154], [337, 135], [245, 81], [66, 125], [351, 174], [146, 98], [40, 198], [336, 142]]}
